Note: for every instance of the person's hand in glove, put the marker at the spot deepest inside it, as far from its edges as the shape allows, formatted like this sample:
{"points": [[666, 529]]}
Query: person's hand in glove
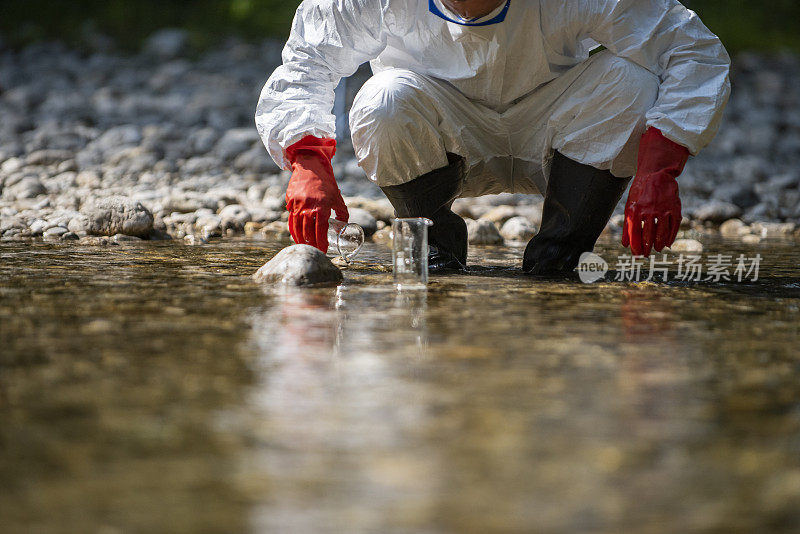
{"points": [[653, 210], [312, 191]]}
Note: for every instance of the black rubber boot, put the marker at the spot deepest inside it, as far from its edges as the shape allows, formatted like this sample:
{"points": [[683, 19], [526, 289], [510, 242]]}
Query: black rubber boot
{"points": [[577, 206], [431, 195]]}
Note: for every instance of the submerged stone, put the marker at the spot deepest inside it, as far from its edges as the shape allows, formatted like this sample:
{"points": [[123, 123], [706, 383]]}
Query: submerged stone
{"points": [[299, 265]]}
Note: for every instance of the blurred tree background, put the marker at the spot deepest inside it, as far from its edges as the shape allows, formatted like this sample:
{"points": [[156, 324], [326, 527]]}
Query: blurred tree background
{"points": [[742, 24]]}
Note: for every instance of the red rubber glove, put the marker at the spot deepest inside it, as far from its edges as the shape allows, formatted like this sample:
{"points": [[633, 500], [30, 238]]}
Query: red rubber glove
{"points": [[653, 210], [312, 191]]}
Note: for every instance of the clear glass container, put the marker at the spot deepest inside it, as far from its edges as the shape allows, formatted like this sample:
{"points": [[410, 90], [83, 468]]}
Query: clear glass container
{"points": [[345, 239], [410, 252]]}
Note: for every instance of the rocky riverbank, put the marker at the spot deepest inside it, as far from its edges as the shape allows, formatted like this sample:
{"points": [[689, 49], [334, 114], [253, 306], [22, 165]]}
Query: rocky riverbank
{"points": [[105, 147]]}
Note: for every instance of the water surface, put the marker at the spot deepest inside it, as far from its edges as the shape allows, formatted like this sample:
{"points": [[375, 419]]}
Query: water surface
{"points": [[154, 387]]}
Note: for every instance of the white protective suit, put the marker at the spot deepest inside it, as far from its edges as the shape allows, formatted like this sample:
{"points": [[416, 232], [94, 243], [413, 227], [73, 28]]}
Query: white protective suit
{"points": [[504, 95]]}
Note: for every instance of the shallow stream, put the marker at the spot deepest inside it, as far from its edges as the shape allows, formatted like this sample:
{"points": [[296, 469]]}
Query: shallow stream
{"points": [[154, 387]]}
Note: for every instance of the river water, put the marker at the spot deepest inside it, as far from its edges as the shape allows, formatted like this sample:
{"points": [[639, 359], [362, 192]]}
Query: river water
{"points": [[154, 387]]}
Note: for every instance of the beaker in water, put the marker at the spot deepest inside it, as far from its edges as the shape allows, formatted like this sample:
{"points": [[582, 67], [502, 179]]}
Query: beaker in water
{"points": [[345, 238], [410, 252]]}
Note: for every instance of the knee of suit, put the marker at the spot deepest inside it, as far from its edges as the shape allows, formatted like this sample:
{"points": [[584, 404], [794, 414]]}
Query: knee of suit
{"points": [[394, 127]]}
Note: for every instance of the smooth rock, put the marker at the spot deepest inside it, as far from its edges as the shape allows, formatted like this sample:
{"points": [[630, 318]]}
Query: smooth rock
{"points": [[55, 232], [28, 187], [256, 159], [717, 211], [299, 265], [235, 142], [234, 216], [733, 228], [117, 215], [767, 229], [686, 245], [483, 232], [276, 231], [518, 229]]}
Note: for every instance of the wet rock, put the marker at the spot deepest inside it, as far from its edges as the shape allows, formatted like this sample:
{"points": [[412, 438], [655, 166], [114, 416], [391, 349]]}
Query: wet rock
{"points": [[733, 228], [383, 236], [55, 232], [117, 215], [518, 229], [123, 238], [767, 229], [686, 245], [276, 231], [482, 232], [365, 220], [299, 265], [252, 228], [717, 211]]}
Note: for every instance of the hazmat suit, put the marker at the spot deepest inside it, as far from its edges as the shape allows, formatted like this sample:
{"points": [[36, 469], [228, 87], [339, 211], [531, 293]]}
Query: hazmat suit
{"points": [[500, 100]]}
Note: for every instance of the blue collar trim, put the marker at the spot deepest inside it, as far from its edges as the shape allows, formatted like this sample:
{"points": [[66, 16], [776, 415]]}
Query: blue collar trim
{"points": [[470, 22]]}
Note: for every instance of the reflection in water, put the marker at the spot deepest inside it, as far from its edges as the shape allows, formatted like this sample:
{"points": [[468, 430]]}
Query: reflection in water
{"points": [[155, 388]]}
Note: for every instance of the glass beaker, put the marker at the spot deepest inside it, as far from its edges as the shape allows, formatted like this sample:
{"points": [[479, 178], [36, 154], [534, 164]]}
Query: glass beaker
{"points": [[410, 252], [345, 238]]}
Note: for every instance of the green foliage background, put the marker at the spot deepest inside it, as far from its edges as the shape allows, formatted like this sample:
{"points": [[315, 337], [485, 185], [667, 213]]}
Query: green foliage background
{"points": [[742, 24]]}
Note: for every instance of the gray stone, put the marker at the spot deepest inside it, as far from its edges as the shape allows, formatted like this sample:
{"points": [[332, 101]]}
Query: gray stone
{"points": [[299, 265], [482, 232], [55, 232], [518, 229], [79, 224], [119, 136], [187, 202], [235, 142], [717, 211], [256, 159], [686, 245], [48, 157], [733, 228], [234, 216], [364, 219], [276, 231], [27, 187], [202, 141], [117, 215]]}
